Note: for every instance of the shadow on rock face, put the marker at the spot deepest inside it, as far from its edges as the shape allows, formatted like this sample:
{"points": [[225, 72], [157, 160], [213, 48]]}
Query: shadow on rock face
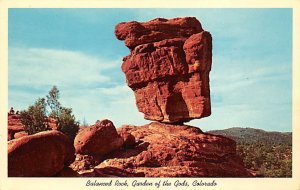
{"points": [[176, 106], [126, 153]]}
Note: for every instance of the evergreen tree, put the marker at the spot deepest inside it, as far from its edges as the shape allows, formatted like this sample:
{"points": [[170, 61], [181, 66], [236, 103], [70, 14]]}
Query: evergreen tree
{"points": [[67, 123], [65, 120], [34, 118]]}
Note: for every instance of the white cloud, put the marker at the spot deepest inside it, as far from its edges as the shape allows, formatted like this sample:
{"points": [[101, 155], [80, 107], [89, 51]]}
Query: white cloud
{"points": [[38, 67], [116, 103]]}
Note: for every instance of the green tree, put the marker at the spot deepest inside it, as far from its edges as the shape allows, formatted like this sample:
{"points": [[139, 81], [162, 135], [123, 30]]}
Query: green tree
{"points": [[67, 123], [34, 118], [53, 103], [65, 120]]}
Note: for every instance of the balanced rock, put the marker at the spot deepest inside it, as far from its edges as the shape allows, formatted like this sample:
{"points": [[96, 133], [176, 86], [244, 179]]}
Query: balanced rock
{"points": [[177, 151], [168, 67], [98, 139], [40, 155]]}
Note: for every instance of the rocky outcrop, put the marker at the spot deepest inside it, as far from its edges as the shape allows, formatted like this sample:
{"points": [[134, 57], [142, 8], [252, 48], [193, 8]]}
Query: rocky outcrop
{"points": [[168, 67], [99, 139], [14, 126], [40, 155], [168, 151]]}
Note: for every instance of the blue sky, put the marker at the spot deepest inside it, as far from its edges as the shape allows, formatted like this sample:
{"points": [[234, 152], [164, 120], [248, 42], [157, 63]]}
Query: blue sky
{"points": [[75, 49]]}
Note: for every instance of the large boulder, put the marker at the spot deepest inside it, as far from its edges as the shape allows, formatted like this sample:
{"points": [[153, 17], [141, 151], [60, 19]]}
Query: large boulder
{"points": [[99, 139], [168, 67], [40, 155], [164, 150]]}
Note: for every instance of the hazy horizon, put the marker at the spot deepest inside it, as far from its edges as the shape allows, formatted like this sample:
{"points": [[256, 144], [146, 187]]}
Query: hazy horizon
{"points": [[76, 50]]}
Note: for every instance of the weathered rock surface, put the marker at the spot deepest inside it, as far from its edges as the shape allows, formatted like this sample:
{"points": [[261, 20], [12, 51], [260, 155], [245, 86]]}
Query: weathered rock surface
{"points": [[86, 166], [40, 155], [167, 151], [137, 33], [178, 150], [85, 163], [99, 139], [168, 67]]}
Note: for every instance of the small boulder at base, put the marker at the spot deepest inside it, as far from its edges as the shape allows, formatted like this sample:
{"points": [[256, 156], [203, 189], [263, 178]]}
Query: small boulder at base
{"points": [[99, 139], [129, 139], [40, 155]]}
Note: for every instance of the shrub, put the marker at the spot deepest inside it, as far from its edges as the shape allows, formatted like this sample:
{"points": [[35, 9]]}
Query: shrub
{"points": [[67, 123], [34, 118], [65, 120]]}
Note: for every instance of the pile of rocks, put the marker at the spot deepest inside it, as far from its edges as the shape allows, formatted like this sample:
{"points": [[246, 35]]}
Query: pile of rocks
{"points": [[152, 150]]}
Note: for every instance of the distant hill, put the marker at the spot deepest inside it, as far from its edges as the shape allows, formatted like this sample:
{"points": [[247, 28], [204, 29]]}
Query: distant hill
{"points": [[255, 135], [268, 154]]}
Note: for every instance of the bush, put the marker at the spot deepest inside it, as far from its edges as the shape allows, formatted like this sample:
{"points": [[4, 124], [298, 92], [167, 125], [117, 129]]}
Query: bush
{"points": [[35, 118], [67, 123]]}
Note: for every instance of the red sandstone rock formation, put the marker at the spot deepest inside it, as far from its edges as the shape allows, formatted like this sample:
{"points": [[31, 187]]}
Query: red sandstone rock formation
{"points": [[168, 151], [168, 67], [14, 126], [40, 155], [178, 150], [99, 139]]}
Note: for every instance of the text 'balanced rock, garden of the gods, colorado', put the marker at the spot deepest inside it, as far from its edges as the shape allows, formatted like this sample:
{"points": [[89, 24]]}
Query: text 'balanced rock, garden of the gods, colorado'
{"points": [[168, 67]]}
